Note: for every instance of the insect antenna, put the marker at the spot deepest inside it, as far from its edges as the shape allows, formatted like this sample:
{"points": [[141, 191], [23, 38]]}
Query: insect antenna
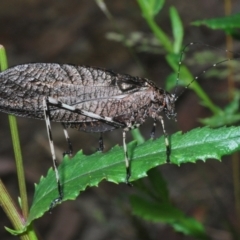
{"points": [[204, 71]]}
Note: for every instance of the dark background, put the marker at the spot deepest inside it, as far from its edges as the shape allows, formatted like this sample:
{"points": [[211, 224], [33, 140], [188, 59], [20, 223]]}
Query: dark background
{"points": [[75, 32]]}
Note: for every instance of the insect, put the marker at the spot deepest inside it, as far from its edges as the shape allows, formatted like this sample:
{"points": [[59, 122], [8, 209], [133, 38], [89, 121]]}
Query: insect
{"points": [[87, 98]]}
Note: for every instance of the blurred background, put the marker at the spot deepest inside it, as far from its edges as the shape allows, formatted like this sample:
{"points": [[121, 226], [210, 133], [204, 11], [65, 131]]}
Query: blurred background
{"points": [[78, 32]]}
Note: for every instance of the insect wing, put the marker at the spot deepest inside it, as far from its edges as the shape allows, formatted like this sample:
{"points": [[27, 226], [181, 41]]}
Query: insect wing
{"points": [[95, 90]]}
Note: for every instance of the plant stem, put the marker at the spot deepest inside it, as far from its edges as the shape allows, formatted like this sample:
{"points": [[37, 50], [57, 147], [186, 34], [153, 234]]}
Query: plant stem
{"points": [[137, 136], [6, 202], [13, 214], [19, 165], [168, 46], [16, 146], [206, 101], [162, 37]]}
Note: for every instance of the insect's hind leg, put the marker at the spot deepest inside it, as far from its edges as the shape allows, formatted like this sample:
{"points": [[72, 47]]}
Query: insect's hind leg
{"points": [[107, 120], [101, 144], [69, 143], [48, 125], [168, 149]]}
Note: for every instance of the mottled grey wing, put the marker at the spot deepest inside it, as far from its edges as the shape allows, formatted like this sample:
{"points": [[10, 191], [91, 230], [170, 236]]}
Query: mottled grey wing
{"points": [[95, 90]]}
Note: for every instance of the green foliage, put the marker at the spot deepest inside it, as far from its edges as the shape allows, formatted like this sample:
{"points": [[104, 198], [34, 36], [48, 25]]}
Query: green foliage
{"points": [[86, 171], [229, 24], [172, 49], [152, 203], [177, 29], [230, 114], [149, 10], [151, 7]]}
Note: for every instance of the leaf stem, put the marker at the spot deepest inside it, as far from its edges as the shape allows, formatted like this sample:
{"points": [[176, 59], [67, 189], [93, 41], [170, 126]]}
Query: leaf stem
{"points": [[168, 46], [19, 164], [18, 220], [137, 136], [16, 146], [14, 216]]}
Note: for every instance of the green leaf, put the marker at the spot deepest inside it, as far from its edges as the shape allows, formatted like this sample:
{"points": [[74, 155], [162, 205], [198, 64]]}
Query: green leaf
{"points": [[230, 115], [167, 213], [86, 171], [15, 232], [151, 7], [177, 29], [157, 6], [148, 10], [154, 205], [155, 187], [159, 185], [136, 134], [224, 23]]}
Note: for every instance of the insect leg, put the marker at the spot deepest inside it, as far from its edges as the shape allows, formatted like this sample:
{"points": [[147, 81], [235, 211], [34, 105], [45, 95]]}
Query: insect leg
{"points": [[107, 120], [48, 125], [128, 169], [70, 149], [168, 150], [154, 128], [100, 142]]}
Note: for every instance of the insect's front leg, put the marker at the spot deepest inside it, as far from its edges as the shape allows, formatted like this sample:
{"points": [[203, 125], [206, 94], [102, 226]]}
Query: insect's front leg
{"points": [[168, 149], [127, 162], [128, 169]]}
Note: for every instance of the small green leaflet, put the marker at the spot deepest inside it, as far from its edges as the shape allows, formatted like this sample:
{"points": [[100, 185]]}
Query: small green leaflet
{"points": [[84, 171], [226, 22], [228, 116]]}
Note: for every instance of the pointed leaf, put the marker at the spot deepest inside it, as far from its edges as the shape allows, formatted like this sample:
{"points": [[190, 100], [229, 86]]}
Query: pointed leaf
{"points": [[151, 7], [230, 115], [86, 171], [167, 213], [177, 28], [226, 22], [159, 185]]}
